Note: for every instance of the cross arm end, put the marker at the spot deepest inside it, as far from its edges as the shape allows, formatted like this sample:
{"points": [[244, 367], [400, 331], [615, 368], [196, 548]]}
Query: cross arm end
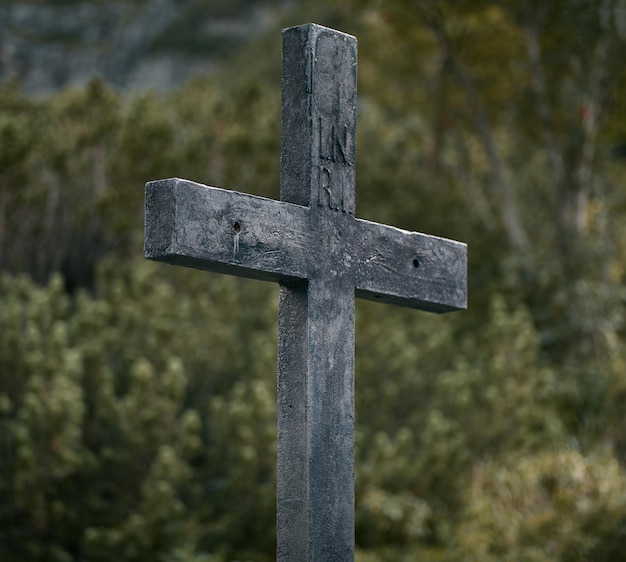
{"points": [[219, 230], [411, 269]]}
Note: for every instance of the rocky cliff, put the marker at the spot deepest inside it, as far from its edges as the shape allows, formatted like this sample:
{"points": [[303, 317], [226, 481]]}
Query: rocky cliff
{"points": [[132, 44]]}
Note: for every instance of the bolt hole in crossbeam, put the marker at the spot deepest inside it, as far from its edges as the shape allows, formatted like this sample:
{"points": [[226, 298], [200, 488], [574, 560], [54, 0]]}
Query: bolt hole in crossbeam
{"points": [[323, 257]]}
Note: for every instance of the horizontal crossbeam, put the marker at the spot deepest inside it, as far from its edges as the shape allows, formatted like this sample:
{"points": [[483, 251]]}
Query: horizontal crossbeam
{"points": [[215, 229]]}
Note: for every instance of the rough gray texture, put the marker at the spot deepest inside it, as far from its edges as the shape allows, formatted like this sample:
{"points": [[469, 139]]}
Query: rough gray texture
{"points": [[133, 45], [322, 256], [195, 225]]}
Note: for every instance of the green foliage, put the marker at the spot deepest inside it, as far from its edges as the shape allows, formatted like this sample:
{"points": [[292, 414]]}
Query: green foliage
{"points": [[111, 444], [240, 470], [53, 187], [494, 397], [68, 432], [137, 401], [556, 505], [73, 167]]}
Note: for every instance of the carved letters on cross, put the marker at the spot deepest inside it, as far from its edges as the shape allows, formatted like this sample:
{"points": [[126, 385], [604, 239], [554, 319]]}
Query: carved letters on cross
{"points": [[334, 173]]}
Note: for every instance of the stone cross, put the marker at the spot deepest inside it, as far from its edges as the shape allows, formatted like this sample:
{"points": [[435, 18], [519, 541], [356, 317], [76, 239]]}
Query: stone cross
{"points": [[322, 256]]}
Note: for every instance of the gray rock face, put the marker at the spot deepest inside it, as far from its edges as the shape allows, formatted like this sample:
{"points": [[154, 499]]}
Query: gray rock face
{"points": [[311, 243], [144, 44]]}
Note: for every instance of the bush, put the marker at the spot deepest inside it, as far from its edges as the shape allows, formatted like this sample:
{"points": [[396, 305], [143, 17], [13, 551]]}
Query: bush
{"points": [[112, 445], [553, 506]]}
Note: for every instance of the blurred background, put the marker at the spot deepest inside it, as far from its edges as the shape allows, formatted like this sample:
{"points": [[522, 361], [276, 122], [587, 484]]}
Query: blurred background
{"points": [[138, 400]]}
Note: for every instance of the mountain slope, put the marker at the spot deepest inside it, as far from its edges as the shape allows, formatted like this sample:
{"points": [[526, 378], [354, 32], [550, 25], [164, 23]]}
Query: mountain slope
{"points": [[141, 44]]}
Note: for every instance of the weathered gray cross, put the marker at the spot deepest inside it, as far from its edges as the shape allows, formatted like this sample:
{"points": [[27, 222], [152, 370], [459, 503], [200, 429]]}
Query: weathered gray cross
{"points": [[311, 243]]}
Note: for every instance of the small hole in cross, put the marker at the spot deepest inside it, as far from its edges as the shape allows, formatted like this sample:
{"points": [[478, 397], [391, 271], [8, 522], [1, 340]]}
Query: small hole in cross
{"points": [[237, 228], [416, 263]]}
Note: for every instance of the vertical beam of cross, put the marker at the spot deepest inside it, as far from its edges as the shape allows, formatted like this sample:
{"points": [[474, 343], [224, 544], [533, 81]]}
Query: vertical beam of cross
{"points": [[316, 318]]}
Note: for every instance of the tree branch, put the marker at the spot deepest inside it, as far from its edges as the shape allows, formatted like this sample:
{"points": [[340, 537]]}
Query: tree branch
{"points": [[500, 179], [591, 116]]}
